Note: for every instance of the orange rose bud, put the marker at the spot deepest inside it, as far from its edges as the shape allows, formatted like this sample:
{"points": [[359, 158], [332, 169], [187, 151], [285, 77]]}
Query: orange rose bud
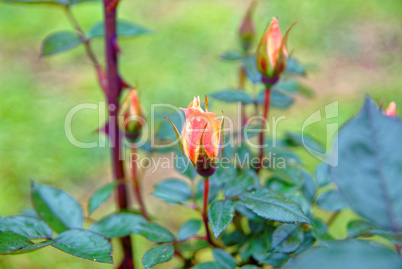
{"points": [[271, 53], [201, 139], [391, 110], [246, 29], [131, 113]]}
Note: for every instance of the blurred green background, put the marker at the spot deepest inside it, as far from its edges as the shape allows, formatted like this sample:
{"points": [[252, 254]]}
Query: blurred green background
{"points": [[355, 47]]}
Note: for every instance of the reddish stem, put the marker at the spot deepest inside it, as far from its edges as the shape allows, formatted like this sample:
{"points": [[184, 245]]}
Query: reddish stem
{"points": [[136, 183], [242, 81], [265, 117], [204, 211], [113, 93]]}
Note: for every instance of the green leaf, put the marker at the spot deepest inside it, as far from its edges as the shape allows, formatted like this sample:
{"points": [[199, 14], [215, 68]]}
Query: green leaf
{"points": [[249, 267], [232, 55], [238, 185], [293, 66], [29, 227], [279, 99], [274, 206], [332, 201], [364, 228], [100, 196], [275, 259], [208, 265], [56, 207], [158, 254], [287, 238], [346, 255], [322, 175], [10, 242], [360, 227], [117, 225], [184, 166], [224, 258], [30, 248], [124, 29], [59, 42], [154, 232], [304, 140], [189, 228], [220, 215], [232, 96], [252, 72], [173, 191], [369, 169], [85, 244]]}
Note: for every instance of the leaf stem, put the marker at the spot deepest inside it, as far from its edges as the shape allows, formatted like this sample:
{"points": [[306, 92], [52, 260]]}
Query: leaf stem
{"points": [[204, 211], [265, 117], [136, 183], [88, 49], [332, 218]]}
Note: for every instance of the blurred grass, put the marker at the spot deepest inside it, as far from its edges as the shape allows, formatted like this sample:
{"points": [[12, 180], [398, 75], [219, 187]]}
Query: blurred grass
{"points": [[355, 45]]}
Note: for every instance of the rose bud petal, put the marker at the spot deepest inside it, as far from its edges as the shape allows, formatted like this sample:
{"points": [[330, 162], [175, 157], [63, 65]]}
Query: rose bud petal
{"points": [[391, 110], [271, 53], [246, 29], [132, 115], [201, 139]]}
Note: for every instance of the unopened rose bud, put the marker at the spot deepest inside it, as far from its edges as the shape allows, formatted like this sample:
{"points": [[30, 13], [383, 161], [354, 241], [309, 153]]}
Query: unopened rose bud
{"points": [[246, 29], [201, 139], [391, 110], [271, 53], [132, 115]]}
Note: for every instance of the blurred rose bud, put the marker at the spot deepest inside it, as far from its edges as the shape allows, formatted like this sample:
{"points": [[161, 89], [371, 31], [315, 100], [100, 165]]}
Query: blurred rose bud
{"points": [[132, 115], [201, 139], [271, 53], [246, 29], [391, 110]]}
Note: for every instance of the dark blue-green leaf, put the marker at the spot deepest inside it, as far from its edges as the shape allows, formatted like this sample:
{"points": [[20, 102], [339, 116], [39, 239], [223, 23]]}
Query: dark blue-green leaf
{"points": [[232, 96], [189, 228], [56, 207], [369, 167], [85, 244], [117, 225], [59, 42], [124, 29], [224, 258], [346, 255], [100, 196], [31, 228], [231, 55], [331, 200], [173, 191], [10, 242], [322, 175], [220, 215], [287, 238], [208, 265], [158, 254], [274, 206], [238, 185], [154, 232], [279, 99]]}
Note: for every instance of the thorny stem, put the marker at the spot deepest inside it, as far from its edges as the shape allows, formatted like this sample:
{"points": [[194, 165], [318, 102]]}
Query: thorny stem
{"points": [[136, 183], [113, 93], [265, 117]]}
